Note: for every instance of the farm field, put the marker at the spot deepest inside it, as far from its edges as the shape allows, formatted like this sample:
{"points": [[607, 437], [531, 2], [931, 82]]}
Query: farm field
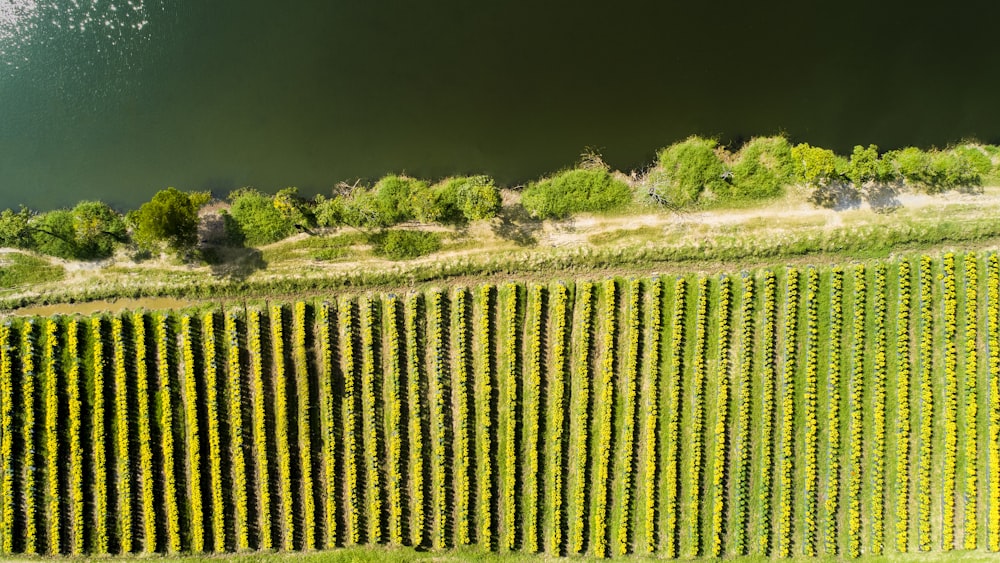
{"points": [[834, 411]]}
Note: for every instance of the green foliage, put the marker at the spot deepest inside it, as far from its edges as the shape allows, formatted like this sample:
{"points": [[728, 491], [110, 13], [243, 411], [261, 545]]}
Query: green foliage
{"points": [[911, 164], [53, 234], [97, 228], [404, 245], [574, 191], [865, 166], [814, 166], [14, 229], [763, 167], [329, 212], [687, 169], [170, 218], [394, 197], [294, 208], [477, 197], [257, 219]]}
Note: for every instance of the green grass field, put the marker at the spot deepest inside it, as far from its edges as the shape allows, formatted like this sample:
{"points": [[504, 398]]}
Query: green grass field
{"points": [[824, 413]]}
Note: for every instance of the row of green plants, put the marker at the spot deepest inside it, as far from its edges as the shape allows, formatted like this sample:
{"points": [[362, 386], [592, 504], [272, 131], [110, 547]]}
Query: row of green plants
{"points": [[366, 395], [694, 171]]}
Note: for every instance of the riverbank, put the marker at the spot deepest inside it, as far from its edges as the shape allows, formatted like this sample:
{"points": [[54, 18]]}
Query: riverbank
{"points": [[512, 246]]}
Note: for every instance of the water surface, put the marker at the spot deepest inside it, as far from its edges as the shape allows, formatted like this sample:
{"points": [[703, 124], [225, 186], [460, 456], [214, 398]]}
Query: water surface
{"points": [[117, 99]]}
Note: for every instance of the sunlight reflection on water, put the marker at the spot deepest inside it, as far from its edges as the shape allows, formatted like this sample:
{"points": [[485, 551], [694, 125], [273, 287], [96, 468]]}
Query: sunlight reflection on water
{"points": [[30, 28]]}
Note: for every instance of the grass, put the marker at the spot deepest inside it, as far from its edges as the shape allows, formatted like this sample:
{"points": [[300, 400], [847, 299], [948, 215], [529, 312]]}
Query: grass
{"points": [[17, 270]]}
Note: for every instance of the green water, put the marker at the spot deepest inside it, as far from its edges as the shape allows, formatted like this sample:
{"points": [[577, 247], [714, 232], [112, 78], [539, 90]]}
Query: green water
{"points": [[116, 103]]}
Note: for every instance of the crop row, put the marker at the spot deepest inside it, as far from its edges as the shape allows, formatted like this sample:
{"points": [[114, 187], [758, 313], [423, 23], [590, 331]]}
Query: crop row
{"points": [[694, 416]]}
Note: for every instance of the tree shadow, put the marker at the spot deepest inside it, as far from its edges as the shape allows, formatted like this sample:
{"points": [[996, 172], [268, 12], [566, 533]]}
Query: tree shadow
{"points": [[517, 225], [837, 195], [233, 263], [883, 197]]}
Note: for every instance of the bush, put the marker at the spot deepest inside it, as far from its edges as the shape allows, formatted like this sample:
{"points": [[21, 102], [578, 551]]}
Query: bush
{"points": [[477, 197], [763, 167], [865, 166], [328, 212], [256, 218], [171, 217], [815, 166], [404, 245], [911, 164], [574, 191], [97, 228], [688, 168], [394, 197]]}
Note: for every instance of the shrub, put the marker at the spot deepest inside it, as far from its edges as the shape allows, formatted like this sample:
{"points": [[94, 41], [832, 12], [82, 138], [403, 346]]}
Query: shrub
{"points": [[688, 168], [257, 219], [574, 191], [404, 245], [171, 217], [763, 167], [329, 212], [52, 234], [813, 166], [866, 166], [477, 197], [911, 164], [394, 197]]}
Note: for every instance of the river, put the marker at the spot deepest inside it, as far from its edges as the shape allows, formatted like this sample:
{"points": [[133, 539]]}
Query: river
{"points": [[116, 99]]}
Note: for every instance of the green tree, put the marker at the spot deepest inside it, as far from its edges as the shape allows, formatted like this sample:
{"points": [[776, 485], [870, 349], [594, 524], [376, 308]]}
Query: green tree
{"points": [[329, 212], [814, 166], [477, 197], [687, 169], [170, 218], [911, 164], [257, 219], [15, 230], [97, 228], [574, 191], [763, 167], [393, 197], [863, 166], [294, 208]]}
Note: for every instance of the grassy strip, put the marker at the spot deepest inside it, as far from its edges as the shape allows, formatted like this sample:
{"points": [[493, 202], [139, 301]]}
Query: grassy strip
{"points": [[438, 427], [52, 533], [307, 507], [196, 516], [352, 517], [138, 324], [993, 348], [99, 539], [213, 413], [260, 449], [123, 475], [530, 416], [392, 411], [369, 423], [950, 402], [786, 455], [580, 409], [971, 495], [604, 412], [166, 432], [7, 442], [234, 407], [461, 354], [555, 441], [902, 357], [415, 439], [281, 420], [672, 438]]}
